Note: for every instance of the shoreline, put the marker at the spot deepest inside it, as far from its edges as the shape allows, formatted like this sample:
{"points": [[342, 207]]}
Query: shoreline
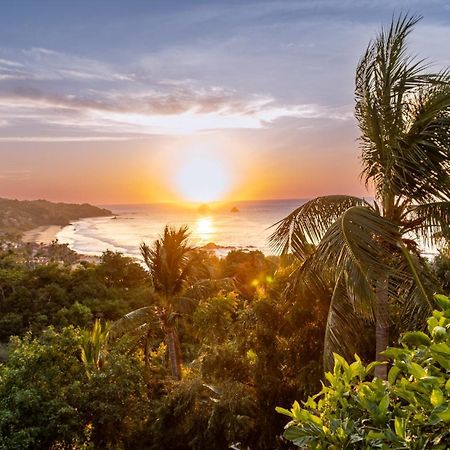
{"points": [[43, 234]]}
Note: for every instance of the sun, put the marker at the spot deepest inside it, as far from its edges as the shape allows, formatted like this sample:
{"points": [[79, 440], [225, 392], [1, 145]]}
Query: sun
{"points": [[202, 178]]}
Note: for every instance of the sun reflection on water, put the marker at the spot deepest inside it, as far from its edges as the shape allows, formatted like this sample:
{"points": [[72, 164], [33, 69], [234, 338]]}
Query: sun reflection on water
{"points": [[204, 228]]}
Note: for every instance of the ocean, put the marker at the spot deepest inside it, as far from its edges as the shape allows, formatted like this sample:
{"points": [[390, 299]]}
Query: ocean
{"points": [[246, 228]]}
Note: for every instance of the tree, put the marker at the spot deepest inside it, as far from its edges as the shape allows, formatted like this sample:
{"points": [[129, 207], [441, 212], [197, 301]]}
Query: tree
{"points": [[48, 401], [369, 251]]}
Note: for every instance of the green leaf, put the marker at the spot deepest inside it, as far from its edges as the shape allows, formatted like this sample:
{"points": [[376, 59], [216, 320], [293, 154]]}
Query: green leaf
{"points": [[442, 301], [400, 427], [284, 411], [393, 374], [417, 371], [437, 397], [383, 405], [415, 338], [441, 348], [445, 415]]}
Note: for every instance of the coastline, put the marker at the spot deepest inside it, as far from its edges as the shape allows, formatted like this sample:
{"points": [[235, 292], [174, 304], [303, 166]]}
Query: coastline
{"points": [[44, 234]]}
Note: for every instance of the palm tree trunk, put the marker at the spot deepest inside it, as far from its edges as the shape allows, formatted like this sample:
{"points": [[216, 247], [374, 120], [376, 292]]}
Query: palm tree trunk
{"points": [[174, 354], [381, 326]]}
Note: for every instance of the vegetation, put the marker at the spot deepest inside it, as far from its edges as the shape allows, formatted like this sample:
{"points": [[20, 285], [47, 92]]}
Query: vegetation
{"points": [[246, 349], [195, 351], [409, 411], [17, 216], [48, 401], [369, 251]]}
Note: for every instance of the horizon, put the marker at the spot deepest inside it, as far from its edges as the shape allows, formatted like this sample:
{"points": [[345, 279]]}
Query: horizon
{"points": [[162, 102]]}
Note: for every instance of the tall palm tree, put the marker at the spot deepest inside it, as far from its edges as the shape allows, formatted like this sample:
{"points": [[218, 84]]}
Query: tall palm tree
{"points": [[170, 265], [179, 280], [369, 250]]}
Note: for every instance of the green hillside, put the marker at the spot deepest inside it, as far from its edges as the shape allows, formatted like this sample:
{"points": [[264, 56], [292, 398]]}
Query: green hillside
{"points": [[17, 216]]}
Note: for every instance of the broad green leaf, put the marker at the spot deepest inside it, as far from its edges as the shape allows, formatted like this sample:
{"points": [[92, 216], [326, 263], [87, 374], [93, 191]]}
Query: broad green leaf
{"points": [[445, 415], [417, 371], [437, 397], [415, 338], [393, 374], [442, 301], [441, 348]]}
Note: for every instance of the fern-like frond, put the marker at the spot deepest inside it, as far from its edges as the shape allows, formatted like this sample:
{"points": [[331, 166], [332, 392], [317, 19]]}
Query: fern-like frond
{"points": [[304, 228]]}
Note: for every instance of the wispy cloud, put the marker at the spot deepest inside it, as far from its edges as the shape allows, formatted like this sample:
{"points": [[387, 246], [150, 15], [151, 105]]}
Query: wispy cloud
{"points": [[41, 64], [122, 108]]}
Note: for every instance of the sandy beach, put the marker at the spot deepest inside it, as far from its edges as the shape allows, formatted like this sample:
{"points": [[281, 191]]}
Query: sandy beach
{"points": [[42, 235]]}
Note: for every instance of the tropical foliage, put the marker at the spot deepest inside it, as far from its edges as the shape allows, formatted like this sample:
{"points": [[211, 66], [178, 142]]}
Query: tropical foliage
{"points": [[409, 411], [48, 401], [369, 250]]}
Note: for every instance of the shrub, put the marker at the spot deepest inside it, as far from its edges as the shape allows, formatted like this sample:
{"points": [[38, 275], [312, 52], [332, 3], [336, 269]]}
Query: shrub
{"points": [[47, 401], [411, 410]]}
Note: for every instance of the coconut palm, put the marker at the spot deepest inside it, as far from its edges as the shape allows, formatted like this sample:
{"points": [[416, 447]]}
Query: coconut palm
{"points": [[170, 265], [369, 250], [178, 277]]}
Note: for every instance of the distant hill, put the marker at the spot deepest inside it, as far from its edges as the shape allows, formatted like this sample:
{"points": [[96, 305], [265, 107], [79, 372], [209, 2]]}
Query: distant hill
{"points": [[17, 216]]}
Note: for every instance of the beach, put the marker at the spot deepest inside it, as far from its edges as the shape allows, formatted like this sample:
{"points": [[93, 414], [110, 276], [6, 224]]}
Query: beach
{"points": [[42, 235]]}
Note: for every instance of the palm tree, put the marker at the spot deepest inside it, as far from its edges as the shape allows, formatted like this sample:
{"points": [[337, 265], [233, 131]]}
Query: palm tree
{"points": [[92, 347], [174, 270], [369, 250]]}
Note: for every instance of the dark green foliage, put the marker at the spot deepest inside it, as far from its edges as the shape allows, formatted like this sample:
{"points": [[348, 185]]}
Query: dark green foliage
{"points": [[32, 298], [409, 411], [47, 401], [441, 268], [250, 356], [195, 415], [39, 392]]}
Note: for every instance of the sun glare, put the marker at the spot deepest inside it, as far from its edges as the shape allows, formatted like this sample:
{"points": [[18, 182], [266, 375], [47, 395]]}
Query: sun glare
{"points": [[204, 228], [202, 179]]}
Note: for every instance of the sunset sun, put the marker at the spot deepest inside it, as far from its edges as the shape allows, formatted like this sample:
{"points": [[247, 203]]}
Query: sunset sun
{"points": [[202, 179]]}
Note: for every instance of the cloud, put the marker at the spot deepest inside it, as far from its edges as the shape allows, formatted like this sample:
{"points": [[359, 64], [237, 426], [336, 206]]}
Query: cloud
{"points": [[41, 64], [121, 108]]}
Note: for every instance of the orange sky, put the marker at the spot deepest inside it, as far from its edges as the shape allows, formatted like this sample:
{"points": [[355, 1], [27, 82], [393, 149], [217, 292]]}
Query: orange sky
{"points": [[255, 166]]}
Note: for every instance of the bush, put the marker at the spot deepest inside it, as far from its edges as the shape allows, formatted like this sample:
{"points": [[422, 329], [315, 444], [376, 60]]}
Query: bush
{"points": [[47, 400], [409, 411]]}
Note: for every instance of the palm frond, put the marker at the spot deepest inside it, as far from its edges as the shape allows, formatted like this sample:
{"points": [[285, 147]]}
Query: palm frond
{"points": [[414, 292], [346, 332], [354, 251], [430, 222], [403, 117], [168, 260], [305, 227], [134, 323], [422, 168]]}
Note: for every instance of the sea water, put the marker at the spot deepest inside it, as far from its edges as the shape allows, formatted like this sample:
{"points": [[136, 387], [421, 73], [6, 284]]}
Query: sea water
{"points": [[248, 227]]}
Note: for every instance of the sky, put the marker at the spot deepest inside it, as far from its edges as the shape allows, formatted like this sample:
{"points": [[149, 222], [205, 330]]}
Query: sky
{"points": [[151, 101]]}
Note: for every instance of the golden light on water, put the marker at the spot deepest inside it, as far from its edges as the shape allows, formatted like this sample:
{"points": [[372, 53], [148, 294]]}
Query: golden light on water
{"points": [[204, 228]]}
